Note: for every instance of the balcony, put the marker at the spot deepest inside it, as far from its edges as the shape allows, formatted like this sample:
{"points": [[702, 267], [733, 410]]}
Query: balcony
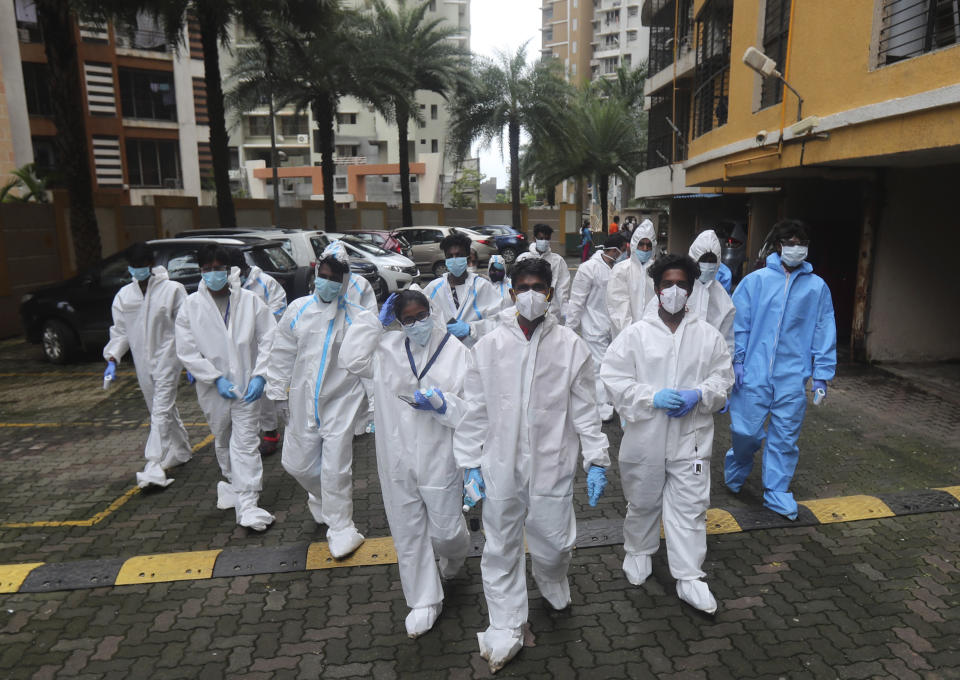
{"points": [[142, 40], [350, 160]]}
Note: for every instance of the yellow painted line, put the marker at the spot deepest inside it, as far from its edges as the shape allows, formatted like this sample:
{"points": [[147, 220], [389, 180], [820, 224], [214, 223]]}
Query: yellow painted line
{"points": [[12, 576], [848, 509], [721, 522], [373, 551], [100, 516], [56, 374], [85, 423], [184, 566], [952, 490]]}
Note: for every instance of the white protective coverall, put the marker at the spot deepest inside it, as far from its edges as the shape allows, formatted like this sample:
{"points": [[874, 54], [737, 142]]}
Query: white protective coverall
{"points": [[480, 303], [710, 301], [238, 351], [145, 325], [324, 401], [531, 405], [560, 282], [630, 287], [587, 311], [664, 461], [275, 298], [421, 482]]}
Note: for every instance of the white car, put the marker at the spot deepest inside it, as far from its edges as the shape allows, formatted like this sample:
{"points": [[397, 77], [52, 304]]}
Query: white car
{"points": [[396, 271]]}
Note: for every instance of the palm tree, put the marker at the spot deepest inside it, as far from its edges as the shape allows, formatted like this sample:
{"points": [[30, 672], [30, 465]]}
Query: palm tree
{"points": [[507, 93], [423, 51], [29, 185]]}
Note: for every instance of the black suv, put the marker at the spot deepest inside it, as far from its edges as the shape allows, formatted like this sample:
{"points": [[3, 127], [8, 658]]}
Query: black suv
{"points": [[75, 314]]}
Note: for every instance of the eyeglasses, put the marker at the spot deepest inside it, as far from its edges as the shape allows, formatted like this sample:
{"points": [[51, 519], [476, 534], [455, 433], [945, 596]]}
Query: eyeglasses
{"points": [[794, 242], [419, 317]]}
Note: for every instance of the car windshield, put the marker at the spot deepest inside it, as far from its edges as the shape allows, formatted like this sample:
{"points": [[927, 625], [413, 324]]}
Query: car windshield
{"points": [[319, 242], [365, 246], [272, 259]]}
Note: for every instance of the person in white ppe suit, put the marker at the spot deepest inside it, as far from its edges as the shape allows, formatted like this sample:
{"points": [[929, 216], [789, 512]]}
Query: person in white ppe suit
{"points": [[531, 406], [459, 298], [307, 378], [587, 309], [420, 480], [274, 297], [224, 335], [667, 376], [497, 274], [144, 317], [630, 287], [558, 266], [709, 300]]}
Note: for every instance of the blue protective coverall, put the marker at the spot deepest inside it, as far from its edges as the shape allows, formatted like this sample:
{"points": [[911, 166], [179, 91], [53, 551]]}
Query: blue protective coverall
{"points": [[785, 333], [725, 277]]}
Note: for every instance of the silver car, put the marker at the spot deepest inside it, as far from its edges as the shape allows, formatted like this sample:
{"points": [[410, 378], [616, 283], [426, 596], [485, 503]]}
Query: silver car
{"points": [[425, 246]]}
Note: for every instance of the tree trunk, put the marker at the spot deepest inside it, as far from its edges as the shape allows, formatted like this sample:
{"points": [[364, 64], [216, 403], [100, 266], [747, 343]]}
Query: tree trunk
{"points": [[513, 133], [69, 115], [603, 184], [323, 114], [403, 122], [219, 149]]}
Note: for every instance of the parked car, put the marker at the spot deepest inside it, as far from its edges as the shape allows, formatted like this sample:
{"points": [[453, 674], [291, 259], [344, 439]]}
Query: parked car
{"points": [[384, 239], [75, 314], [484, 245], [733, 245], [396, 272], [509, 241], [425, 246]]}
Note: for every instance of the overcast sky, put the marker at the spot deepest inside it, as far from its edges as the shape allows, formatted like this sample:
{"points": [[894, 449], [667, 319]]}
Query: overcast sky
{"points": [[503, 24]]}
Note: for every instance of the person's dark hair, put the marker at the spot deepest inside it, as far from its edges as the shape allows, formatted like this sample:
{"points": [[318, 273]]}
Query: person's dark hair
{"points": [[336, 266], [211, 253], [786, 229], [542, 229], [673, 261], [616, 218], [614, 241], [456, 238], [140, 255], [409, 297], [532, 266], [586, 224], [237, 260]]}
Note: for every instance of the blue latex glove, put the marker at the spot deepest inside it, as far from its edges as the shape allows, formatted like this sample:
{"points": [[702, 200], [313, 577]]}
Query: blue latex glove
{"points": [[738, 376], [819, 385], [667, 398], [387, 313], [225, 388], [111, 372], [254, 389], [726, 407], [190, 378], [461, 329], [422, 403], [690, 399], [473, 475], [596, 483]]}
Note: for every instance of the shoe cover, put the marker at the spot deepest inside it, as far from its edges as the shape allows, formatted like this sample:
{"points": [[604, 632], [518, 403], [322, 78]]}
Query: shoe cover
{"points": [[421, 619], [782, 503], [697, 594], [556, 593], [499, 645], [448, 569], [343, 542], [313, 505], [153, 475], [173, 460], [637, 568], [249, 514], [226, 496]]}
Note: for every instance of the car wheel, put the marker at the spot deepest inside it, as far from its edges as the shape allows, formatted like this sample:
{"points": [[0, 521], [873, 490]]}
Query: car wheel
{"points": [[58, 341], [509, 255], [439, 268]]}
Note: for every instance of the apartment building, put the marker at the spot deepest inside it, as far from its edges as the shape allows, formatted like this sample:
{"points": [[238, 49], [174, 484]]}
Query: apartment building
{"points": [[869, 158], [145, 104], [619, 37]]}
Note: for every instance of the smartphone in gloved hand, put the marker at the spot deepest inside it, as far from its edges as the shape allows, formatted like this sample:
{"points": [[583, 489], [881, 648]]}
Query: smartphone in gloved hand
{"points": [[408, 400]]}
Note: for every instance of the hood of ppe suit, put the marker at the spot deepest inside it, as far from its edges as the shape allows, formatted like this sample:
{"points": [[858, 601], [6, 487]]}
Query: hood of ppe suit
{"points": [[706, 242], [644, 230], [160, 274], [254, 272], [338, 251]]}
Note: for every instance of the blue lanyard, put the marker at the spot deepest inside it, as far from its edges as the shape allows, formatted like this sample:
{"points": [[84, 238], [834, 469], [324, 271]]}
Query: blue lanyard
{"points": [[226, 315], [413, 366]]}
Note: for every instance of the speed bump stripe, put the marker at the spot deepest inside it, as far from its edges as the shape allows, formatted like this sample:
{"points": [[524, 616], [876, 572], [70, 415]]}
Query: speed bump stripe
{"points": [[185, 566], [12, 576], [58, 576], [952, 490], [721, 522], [848, 509], [373, 551]]}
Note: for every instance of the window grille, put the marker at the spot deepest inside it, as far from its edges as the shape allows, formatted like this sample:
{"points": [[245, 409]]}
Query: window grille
{"points": [[712, 82], [661, 32], [776, 27], [914, 27], [662, 147]]}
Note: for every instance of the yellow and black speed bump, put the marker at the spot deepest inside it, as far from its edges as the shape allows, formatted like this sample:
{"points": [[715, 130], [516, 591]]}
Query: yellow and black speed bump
{"points": [[37, 577]]}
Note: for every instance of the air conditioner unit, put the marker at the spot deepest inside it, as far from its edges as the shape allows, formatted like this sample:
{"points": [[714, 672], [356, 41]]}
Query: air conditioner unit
{"points": [[303, 139]]}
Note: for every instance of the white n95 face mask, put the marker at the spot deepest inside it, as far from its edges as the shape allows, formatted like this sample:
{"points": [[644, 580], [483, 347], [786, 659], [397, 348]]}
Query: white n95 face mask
{"points": [[793, 255], [543, 245], [673, 299], [420, 331], [531, 305], [708, 271]]}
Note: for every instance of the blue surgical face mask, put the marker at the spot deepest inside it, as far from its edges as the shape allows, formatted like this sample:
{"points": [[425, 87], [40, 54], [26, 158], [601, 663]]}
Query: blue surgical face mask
{"points": [[419, 332], [215, 280], [643, 255], [708, 271], [326, 289], [543, 245], [139, 273], [456, 265], [793, 255]]}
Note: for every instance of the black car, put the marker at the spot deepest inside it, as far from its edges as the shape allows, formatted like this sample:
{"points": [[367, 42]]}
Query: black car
{"points": [[75, 314]]}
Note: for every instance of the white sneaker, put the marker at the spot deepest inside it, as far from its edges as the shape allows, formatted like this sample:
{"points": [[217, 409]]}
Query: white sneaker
{"points": [[637, 568], [499, 645], [421, 619], [153, 475], [343, 542], [249, 514], [226, 496], [697, 594], [556, 593]]}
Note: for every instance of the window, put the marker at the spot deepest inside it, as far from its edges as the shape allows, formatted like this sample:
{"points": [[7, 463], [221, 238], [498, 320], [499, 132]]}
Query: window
{"points": [[434, 146], [147, 94], [627, 60], [291, 126], [632, 11], [664, 16], [663, 145], [340, 185], [434, 111], [423, 142], [631, 36], [347, 150], [153, 163], [183, 266], [44, 155], [433, 6], [776, 25], [346, 119], [36, 81], [712, 79], [548, 13], [914, 27], [319, 244], [258, 126], [271, 259], [548, 34]]}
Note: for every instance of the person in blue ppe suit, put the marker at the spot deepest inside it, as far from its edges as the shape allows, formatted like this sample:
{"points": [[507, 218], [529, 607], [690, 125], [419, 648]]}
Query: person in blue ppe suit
{"points": [[461, 298], [725, 277], [530, 396], [785, 333]]}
